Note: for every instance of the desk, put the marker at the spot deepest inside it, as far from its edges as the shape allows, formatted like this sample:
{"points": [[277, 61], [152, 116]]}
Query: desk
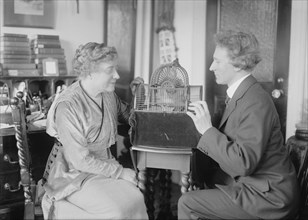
{"points": [[162, 158], [11, 192]]}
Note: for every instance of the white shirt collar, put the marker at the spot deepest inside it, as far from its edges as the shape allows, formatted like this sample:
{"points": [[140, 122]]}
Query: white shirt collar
{"points": [[231, 90]]}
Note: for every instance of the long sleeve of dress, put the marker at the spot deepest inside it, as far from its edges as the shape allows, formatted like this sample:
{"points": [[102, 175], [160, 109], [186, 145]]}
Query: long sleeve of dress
{"points": [[123, 110], [72, 136]]}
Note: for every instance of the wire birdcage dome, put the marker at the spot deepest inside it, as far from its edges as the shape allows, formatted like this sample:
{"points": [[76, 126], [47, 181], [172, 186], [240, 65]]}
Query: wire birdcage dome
{"points": [[171, 75], [168, 90]]}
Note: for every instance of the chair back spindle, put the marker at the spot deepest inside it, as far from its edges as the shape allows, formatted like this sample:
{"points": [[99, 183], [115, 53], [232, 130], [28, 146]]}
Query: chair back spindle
{"points": [[18, 117]]}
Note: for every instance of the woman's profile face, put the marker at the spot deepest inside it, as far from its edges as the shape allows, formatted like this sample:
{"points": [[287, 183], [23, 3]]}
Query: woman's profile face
{"points": [[105, 76]]}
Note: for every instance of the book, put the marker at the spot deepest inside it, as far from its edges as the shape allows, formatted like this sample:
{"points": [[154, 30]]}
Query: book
{"points": [[34, 42], [39, 60], [43, 36], [12, 48], [22, 72], [19, 66], [43, 56], [15, 56], [46, 46], [19, 52], [4, 61], [62, 72], [14, 35], [14, 44], [48, 51], [13, 39], [60, 66]]}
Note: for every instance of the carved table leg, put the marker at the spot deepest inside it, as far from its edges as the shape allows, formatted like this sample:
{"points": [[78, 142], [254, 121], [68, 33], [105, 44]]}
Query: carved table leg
{"points": [[190, 181], [151, 173], [142, 181], [165, 195], [168, 189], [185, 182], [162, 192]]}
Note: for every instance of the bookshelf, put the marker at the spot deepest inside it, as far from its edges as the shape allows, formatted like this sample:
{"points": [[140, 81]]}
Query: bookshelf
{"points": [[46, 85], [24, 68], [21, 55]]}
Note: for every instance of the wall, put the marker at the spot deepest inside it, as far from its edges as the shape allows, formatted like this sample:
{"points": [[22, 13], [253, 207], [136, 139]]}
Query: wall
{"points": [[189, 23], [143, 35], [74, 29]]}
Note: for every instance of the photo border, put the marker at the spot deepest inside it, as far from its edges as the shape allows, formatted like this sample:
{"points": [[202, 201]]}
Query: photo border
{"points": [[10, 19]]}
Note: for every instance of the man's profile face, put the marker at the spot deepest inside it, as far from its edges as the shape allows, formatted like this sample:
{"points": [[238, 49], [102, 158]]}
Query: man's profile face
{"points": [[221, 66]]}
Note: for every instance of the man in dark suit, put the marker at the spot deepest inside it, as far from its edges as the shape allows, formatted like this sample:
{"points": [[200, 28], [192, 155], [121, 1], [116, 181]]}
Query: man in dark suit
{"points": [[255, 178]]}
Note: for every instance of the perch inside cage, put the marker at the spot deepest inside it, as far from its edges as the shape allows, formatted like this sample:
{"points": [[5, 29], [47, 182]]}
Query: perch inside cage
{"points": [[159, 117]]}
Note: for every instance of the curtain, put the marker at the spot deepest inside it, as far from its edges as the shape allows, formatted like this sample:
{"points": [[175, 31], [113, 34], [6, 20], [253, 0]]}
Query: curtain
{"points": [[297, 112]]}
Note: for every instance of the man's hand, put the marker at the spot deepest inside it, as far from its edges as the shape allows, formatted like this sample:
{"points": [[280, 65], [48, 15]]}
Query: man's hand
{"points": [[129, 175], [135, 83], [199, 113]]}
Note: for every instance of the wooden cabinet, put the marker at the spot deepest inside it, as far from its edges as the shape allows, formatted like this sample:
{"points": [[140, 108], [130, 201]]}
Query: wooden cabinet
{"points": [[10, 191], [45, 85]]}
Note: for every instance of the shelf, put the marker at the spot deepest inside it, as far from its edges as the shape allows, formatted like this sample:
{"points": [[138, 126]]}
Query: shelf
{"points": [[37, 77], [45, 84], [11, 131]]}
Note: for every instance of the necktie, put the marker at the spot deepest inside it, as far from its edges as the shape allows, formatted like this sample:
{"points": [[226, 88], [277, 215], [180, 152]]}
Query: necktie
{"points": [[227, 100]]}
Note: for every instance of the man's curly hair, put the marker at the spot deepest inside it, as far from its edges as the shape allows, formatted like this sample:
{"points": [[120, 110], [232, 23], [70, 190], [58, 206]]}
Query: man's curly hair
{"points": [[243, 48]]}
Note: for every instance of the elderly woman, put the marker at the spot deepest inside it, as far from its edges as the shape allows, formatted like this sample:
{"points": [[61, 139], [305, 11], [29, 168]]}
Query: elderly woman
{"points": [[86, 181]]}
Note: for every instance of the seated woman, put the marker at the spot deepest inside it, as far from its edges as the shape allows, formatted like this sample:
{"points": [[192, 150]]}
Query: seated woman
{"points": [[86, 181]]}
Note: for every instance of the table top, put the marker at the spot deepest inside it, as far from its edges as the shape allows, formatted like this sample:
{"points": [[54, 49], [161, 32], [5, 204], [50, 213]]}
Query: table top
{"points": [[165, 149], [32, 128]]}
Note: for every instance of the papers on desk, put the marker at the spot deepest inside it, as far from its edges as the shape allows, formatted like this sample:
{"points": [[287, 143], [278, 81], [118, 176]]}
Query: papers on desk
{"points": [[36, 121], [5, 109], [3, 125], [40, 123], [35, 116]]}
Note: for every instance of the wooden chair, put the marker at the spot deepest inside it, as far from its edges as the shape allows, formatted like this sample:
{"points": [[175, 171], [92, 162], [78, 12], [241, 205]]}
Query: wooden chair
{"points": [[32, 191], [298, 151], [39, 190], [18, 116]]}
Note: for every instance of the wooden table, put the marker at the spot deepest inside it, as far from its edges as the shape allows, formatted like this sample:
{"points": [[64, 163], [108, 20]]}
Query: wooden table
{"points": [[144, 157]]}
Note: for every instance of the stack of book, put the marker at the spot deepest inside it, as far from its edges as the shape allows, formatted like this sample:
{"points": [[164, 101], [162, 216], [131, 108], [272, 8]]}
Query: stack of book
{"points": [[48, 46], [15, 55]]}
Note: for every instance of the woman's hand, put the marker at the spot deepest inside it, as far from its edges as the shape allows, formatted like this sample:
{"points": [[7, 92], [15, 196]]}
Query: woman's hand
{"points": [[129, 175], [135, 83], [199, 113]]}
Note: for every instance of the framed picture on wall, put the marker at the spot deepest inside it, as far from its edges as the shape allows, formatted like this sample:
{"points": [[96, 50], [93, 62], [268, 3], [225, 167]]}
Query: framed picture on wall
{"points": [[28, 13]]}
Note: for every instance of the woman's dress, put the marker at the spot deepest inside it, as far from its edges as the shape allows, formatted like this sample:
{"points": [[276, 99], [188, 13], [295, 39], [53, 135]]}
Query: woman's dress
{"points": [[83, 182]]}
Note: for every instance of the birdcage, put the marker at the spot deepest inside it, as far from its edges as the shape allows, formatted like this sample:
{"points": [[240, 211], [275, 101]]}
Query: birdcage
{"points": [[159, 112]]}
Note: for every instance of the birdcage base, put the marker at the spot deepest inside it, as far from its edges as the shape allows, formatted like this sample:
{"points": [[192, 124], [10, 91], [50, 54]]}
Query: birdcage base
{"points": [[164, 130]]}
